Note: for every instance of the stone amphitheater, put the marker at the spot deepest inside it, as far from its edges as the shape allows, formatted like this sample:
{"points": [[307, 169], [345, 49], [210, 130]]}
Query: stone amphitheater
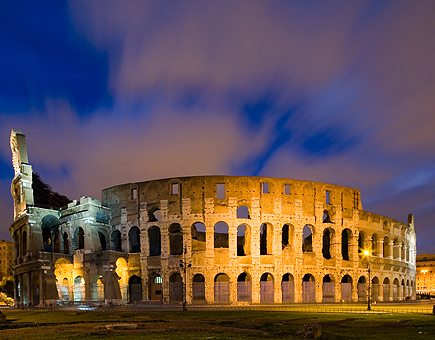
{"points": [[205, 240]]}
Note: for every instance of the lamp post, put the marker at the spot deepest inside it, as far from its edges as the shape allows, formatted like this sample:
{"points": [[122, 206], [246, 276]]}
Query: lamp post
{"points": [[367, 253], [184, 265]]}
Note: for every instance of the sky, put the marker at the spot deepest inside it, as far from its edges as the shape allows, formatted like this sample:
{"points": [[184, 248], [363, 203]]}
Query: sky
{"points": [[110, 92]]}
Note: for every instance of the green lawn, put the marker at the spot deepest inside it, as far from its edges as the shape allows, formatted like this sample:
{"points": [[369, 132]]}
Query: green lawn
{"points": [[212, 325]]}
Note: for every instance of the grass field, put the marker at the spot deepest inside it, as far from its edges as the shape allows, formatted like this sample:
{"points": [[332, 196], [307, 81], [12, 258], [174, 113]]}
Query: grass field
{"points": [[212, 325]]}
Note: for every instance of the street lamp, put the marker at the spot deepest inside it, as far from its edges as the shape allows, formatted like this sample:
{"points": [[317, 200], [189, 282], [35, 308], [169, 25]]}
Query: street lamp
{"points": [[424, 271], [367, 253]]}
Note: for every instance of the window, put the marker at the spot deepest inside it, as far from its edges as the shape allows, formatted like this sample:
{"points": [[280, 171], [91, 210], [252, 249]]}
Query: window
{"points": [[265, 188], [134, 194], [158, 279], [174, 188], [327, 197], [287, 189], [220, 191]]}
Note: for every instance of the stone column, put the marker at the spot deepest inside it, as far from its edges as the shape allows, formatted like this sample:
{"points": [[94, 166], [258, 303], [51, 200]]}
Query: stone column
{"points": [[398, 249], [41, 292], [381, 290], [353, 248], [380, 245], [355, 290], [390, 249], [255, 287]]}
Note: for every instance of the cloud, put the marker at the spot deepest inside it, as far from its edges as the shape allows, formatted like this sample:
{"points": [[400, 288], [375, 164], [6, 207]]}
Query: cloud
{"points": [[110, 148]]}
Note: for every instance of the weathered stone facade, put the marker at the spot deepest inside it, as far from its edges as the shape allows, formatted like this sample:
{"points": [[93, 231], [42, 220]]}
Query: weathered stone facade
{"points": [[214, 239]]}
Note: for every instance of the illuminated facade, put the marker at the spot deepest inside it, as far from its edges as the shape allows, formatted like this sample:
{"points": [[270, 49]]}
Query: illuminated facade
{"points": [[5, 259], [425, 277], [209, 239]]}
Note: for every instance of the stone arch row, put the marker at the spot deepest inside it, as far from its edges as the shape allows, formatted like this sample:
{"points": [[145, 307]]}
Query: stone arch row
{"points": [[222, 288], [243, 240], [384, 246]]}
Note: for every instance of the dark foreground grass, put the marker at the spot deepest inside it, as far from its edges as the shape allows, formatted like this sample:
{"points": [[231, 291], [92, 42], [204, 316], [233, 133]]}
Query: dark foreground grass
{"points": [[212, 325]]}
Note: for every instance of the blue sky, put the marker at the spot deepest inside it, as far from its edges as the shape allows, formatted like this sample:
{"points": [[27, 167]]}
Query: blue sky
{"points": [[109, 92]]}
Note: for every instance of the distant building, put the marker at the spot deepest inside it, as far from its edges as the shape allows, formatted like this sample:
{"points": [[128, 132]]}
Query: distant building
{"points": [[425, 277], [6, 257]]}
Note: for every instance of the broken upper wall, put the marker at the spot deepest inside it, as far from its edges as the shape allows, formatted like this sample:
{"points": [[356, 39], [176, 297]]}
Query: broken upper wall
{"points": [[21, 187], [27, 187], [246, 191]]}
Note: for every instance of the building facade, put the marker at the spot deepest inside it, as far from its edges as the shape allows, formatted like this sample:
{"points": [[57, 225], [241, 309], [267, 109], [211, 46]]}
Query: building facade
{"points": [[5, 259], [425, 276], [207, 239]]}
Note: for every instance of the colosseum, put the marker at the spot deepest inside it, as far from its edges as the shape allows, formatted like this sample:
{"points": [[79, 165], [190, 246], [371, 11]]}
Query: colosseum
{"points": [[205, 240]]}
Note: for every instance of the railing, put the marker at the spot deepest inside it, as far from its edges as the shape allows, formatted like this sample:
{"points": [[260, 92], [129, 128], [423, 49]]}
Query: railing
{"points": [[216, 307]]}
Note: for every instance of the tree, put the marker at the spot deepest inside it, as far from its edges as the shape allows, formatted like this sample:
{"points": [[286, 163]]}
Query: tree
{"points": [[4, 299], [7, 286]]}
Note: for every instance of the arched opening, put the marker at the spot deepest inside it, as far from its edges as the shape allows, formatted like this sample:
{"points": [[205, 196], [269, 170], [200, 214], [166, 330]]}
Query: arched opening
{"points": [[285, 236], [243, 240], [102, 238], [154, 240], [328, 289], [198, 236], [308, 288], [396, 252], [57, 241], [175, 288], [386, 247], [198, 288], [403, 290], [154, 215], [115, 241], [65, 243], [24, 243], [266, 239], [122, 272], [346, 288], [375, 289], [243, 212], [48, 223], [79, 289], [327, 240], [25, 297], [156, 288], [244, 288], [79, 238], [396, 290], [374, 245], [134, 240], [175, 239], [135, 288], [97, 288], [266, 288], [326, 217], [307, 239], [345, 237], [63, 290], [288, 288], [221, 235], [386, 289], [361, 245], [221, 288], [362, 289]]}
